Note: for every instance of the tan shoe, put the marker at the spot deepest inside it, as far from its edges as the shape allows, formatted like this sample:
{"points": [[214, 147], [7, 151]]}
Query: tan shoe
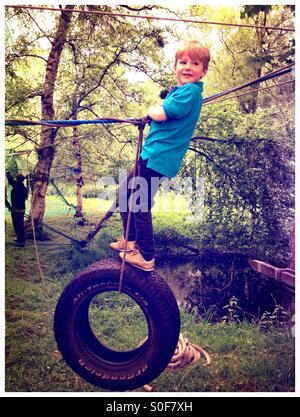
{"points": [[120, 245], [136, 259]]}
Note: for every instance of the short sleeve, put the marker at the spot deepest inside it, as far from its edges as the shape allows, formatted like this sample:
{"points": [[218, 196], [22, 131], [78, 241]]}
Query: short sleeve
{"points": [[180, 103]]}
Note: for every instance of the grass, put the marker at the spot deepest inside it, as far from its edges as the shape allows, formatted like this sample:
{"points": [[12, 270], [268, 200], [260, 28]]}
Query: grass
{"points": [[124, 326], [244, 357]]}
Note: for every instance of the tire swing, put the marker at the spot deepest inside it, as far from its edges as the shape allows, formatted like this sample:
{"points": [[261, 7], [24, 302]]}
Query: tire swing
{"points": [[88, 355]]}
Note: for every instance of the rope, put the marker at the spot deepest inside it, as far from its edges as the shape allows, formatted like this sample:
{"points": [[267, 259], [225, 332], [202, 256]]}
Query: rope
{"points": [[37, 148], [61, 194], [138, 151], [57, 231], [186, 354], [269, 76], [172, 19], [38, 256], [38, 260], [26, 151], [70, 123], [250, 92]]}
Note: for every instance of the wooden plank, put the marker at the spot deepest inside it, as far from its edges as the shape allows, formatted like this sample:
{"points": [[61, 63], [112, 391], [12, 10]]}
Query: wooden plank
{"points": [[288, 277], [284, 275]]}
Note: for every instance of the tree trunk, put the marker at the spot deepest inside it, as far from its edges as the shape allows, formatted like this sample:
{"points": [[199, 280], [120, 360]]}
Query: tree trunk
{"points": [[79, 179], [46, 151]]}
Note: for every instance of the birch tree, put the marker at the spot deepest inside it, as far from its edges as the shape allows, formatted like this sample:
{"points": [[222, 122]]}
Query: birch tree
{"points": [[46, 150]]}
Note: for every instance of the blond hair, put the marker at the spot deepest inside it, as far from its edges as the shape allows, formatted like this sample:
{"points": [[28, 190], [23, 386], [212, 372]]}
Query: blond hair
{"points": [[195, 51]]}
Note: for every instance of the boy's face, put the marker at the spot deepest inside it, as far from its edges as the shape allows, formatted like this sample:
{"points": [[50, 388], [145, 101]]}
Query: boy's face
{"points": [[188, 70]]}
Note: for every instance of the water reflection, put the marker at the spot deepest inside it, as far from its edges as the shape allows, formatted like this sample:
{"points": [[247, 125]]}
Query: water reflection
{"points": [[205, 286]]}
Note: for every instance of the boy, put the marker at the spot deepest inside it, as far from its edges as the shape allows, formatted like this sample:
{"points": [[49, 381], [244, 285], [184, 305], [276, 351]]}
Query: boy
{"points": [[171, 129]]}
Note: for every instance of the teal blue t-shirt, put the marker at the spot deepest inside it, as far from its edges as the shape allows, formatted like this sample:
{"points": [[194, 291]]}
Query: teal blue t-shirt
{"points": [[168, 141]]}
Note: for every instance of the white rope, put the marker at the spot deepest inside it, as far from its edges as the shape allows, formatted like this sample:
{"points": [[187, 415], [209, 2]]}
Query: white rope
{"points": [[186, 354]]}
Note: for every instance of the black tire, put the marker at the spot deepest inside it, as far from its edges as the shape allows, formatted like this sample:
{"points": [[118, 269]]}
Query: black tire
{"points": [[91, 359]]}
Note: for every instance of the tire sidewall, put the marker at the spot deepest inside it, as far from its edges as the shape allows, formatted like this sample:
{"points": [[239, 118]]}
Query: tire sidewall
{"points": [[158, 305]]}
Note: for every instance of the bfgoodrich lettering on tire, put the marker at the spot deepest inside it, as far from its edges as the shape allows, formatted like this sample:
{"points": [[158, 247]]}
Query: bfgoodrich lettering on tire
{"points": [[90, 357]]}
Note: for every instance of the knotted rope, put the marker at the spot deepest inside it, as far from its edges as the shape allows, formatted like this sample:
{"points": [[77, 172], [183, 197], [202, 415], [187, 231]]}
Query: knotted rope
{"points": [[186, 354]]}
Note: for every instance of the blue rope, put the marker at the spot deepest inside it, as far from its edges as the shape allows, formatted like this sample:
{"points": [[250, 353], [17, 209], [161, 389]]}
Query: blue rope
{"points": [[54, 123]]}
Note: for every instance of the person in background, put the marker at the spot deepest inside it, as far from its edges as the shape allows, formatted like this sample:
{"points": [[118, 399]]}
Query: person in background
{"points": [[18, 196]]}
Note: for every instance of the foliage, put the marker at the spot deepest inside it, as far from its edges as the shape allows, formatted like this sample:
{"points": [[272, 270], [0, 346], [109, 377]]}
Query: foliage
{"points": [[245, 53], [231, 309], [248, 171], [278, 318]]}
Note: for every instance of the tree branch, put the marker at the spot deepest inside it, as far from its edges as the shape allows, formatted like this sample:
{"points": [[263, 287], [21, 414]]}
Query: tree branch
{"points": [[223, 171], [46, 36], [30, 55], [22, 99], [104, 72], [138, 9], [230, 140]]}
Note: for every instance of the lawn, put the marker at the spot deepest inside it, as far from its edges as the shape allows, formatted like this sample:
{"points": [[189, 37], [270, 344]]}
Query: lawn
{"points": [[245, 357]]}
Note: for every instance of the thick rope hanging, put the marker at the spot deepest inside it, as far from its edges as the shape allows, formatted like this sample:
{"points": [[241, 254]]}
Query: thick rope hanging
{"points": [[136, 173]]}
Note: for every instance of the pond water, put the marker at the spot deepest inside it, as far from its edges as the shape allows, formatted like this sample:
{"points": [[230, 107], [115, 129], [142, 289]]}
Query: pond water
{"points": [[206, 285]]}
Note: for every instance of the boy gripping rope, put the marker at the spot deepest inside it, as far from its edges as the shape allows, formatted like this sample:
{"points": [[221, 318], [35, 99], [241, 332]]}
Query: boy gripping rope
{"points": [[171, 129]]}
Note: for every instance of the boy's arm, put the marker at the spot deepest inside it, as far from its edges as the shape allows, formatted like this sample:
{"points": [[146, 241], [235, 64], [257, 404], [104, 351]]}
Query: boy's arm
{"points": [[157, 114]]}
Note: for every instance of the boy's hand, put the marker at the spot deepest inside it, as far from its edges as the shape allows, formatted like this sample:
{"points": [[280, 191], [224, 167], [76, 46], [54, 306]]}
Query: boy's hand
{"points": [[148, 119]]}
